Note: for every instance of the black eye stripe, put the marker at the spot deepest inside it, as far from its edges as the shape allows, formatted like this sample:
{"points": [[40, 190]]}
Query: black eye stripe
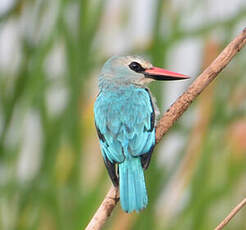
{"points": [[135, 66]]}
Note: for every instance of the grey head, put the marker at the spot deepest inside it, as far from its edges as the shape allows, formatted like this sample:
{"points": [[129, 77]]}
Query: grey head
{"points": [[127, 70], [124, 70]]}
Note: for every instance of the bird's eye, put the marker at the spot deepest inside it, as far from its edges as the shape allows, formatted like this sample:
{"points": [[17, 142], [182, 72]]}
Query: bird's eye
{"points": [[136, 67]]}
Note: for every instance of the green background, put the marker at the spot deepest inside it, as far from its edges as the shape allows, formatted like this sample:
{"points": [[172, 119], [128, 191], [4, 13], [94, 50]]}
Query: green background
{"points": [[52, 174]]}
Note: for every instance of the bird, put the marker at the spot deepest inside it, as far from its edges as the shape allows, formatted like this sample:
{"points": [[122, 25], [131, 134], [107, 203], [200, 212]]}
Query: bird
{"points": [[125, 115]]}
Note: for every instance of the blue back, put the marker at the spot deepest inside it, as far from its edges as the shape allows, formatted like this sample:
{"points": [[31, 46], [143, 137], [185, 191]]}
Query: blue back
{"points": [[124, 117]]}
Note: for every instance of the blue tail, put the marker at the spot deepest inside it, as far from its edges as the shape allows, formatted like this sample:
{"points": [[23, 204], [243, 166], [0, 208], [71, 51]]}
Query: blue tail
{"points": [[133, 194]]}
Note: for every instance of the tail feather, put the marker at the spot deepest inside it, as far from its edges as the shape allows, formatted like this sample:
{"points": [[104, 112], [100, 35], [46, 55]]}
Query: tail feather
{"points": [[133, 194]]}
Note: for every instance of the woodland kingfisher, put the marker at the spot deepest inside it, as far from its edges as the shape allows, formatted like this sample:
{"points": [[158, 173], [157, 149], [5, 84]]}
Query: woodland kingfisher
{"points": [[125, 116]]}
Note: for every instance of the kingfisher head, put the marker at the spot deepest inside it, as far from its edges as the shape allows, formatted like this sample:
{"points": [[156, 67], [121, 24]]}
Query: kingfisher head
{"points": [[126, 70]]}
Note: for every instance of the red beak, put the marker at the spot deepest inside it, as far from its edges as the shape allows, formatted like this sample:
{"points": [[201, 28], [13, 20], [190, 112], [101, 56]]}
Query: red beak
{"points": [[163, 74]]}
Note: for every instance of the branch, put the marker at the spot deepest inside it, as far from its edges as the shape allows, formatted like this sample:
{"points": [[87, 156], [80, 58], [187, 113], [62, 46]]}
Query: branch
{"points": [[202, 81], [105, 209], [231, 215], [172, 114]]}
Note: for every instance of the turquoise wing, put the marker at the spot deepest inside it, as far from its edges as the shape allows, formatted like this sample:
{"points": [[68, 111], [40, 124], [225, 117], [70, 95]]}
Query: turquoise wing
{"points": [[125, 119]]}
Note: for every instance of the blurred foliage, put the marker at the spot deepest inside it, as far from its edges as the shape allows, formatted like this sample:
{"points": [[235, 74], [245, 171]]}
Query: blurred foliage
{"points": [[51, 171]]}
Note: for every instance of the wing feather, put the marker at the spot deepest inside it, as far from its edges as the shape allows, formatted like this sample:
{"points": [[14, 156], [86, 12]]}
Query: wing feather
{"points": [[125, 117]]}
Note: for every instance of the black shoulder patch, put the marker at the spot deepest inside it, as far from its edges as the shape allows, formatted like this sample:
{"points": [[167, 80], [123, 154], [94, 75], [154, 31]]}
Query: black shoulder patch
{"points": [[152, 120], [111, 171], [100, 135], [145, 158], [152, 116]]}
